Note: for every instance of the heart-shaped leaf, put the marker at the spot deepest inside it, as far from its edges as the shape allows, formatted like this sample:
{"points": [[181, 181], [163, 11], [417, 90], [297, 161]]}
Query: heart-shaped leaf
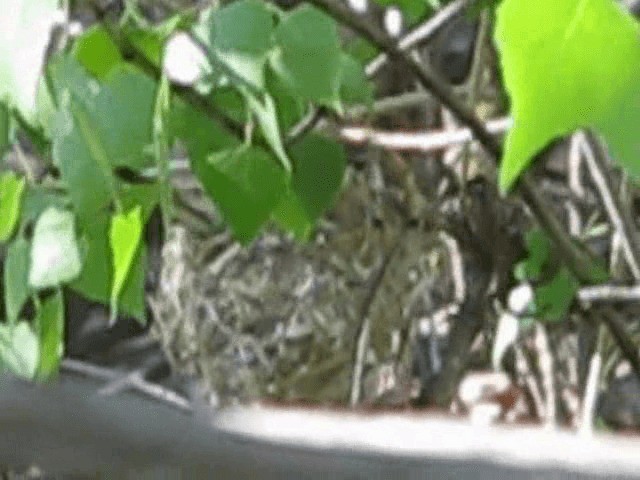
{"points": [[125, 235], [55, 258], [569, 64], [246, 183], [319, 166], [308, 57], [96, 279], [98, 128], [238, 38]]}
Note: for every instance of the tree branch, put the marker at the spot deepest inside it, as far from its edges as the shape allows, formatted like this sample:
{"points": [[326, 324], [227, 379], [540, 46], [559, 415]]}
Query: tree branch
{"points": [[577, 259]]}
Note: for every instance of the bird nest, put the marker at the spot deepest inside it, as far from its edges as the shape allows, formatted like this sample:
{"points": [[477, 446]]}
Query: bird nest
{"points": [[335, 319]]}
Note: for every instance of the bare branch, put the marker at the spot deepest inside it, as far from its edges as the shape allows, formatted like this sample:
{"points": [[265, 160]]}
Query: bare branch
{"points": [[416, 141], [609, 293], [596, 159]]}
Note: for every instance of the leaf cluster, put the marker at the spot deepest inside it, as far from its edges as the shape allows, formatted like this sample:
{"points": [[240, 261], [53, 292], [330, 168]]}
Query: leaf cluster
{"points": [[108, 103]]}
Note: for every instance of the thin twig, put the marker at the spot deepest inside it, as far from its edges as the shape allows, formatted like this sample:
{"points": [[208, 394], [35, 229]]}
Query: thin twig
{"points": [[308, 123], [596, 159], [358, 367], [428, 141], [418, 141], [123, 382], [609, 293], [89, 369], [545, 364], [156, 392], [317, 117], [457, 267], [389, 104], [591, 389], [575, 182]]}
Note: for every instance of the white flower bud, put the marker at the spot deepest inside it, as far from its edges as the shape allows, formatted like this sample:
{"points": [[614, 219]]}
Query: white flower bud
{"points": [[184, 60], [520, 298], [393, 21], [358, 6]]}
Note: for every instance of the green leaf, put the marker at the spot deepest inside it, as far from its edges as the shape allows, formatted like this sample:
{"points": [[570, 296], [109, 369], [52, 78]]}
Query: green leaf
{"points": [[354, 86], [319, 166], [146, 196], [96, 51], [232, 102], [25, 27], [11, 190], [238, 38], [120, 111], [308, 57], [201, 134], [55, 258], [244, 26], [246, 183], [16, 278], [290, 108], [95, 281], [577, 65], [242, 70], [267, 116], [50, 330], [361, 50], [84, 163], [554, 298], [127, 103], [19, 350], [539, 249], [100, 128], [125, 236], [291, 217], [147, 42]]}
